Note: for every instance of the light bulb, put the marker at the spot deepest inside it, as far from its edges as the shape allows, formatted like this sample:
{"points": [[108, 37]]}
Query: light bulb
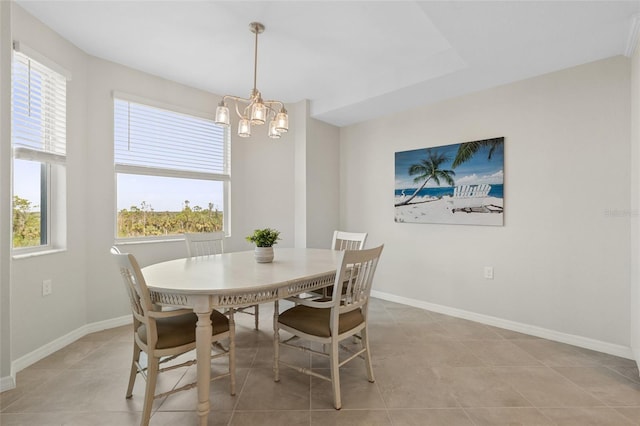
{"points": [[258, 112], [244, 128], [273, 132], [222, 115], [282, 121]]}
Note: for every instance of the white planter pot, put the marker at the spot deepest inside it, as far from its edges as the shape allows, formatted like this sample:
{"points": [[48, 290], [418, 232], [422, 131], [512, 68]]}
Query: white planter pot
{"points": [[263, 254]]}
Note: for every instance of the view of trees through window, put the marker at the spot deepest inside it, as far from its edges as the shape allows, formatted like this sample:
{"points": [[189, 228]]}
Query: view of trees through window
{"points": [[143, 220], [154, 206], [26, 223], [136, 221]]}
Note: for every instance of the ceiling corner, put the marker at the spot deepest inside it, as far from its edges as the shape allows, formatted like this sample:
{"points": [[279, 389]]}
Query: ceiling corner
{"points": [[634, 35]]}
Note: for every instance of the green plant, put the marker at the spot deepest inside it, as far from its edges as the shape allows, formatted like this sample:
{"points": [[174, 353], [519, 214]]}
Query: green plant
{"points": [[264, 237]]}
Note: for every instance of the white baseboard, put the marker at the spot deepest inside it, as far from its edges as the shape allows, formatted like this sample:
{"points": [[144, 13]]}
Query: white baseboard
{"points": [[635, 353], [107, 324], [7, 383], [556, 336]]}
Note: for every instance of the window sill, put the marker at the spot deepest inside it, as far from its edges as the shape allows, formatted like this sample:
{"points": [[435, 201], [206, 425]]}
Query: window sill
{"points": [[37, 253], [135, 242]]}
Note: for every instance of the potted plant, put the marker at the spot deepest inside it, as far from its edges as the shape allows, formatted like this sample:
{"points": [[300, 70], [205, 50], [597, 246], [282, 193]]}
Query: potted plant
{"points": [[264, 239]]}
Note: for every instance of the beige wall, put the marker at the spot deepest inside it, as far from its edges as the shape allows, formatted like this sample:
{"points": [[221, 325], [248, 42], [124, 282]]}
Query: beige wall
{"points": [[35, 319], [635, 202], [87, 291], [322, 181], [316, 180], [561, 261]]}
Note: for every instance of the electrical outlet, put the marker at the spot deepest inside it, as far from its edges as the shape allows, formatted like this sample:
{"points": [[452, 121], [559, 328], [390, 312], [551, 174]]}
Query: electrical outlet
{"points": [[47, 287], [488, 272]]}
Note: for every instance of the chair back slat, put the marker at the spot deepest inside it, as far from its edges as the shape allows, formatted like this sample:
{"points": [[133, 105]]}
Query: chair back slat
{"points": [[204, 243], [348, 240], [354, 279]]}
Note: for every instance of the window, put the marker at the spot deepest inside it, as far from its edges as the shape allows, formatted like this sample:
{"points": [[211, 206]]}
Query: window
{"points": [[172, 172], [38, 137]]}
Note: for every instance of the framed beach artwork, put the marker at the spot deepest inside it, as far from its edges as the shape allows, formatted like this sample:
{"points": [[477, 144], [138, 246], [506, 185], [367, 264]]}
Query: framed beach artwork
{"points": [[452, 184]]}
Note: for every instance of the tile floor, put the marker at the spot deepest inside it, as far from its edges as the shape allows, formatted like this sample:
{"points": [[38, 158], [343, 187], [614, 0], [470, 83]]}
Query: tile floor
{"points": [[430, 369]]}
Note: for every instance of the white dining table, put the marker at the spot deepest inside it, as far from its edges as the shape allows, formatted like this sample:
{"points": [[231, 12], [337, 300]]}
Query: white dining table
{"points": [[233, 280]]}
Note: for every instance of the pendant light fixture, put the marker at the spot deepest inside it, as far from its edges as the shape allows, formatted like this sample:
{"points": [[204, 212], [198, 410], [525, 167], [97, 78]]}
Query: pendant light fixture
{"points": [[254, 111]]}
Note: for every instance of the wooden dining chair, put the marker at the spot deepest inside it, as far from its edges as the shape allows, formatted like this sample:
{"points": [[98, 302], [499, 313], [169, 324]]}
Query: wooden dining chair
{"points": [[201, 244], [348, 240], [164, 335], [343, 240], [204, 243], [332, 321]]}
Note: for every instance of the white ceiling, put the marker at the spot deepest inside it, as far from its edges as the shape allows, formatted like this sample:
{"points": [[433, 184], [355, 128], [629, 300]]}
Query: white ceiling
{"points": [[354, 60]]}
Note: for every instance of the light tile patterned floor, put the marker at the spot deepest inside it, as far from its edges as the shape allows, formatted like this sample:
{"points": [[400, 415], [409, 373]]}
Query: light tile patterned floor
{"points": [[430, 369]]}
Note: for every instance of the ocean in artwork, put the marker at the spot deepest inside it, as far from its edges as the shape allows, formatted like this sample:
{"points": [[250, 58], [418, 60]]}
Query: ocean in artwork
{"points": [[438, 192]]}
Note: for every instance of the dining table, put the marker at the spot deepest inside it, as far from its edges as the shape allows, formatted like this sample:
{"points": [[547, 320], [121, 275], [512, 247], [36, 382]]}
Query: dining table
{"points": [[233, 280]]}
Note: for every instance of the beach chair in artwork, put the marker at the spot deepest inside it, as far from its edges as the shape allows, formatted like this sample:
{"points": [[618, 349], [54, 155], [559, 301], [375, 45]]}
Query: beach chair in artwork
{"points": [[469, 198]]}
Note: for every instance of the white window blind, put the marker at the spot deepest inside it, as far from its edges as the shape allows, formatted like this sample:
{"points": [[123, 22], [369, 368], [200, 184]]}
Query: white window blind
{"points": [[149, 139], [38, 111]]}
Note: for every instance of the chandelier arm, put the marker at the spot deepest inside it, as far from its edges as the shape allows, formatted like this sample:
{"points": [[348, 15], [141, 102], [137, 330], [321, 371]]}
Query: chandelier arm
{"points": [[271, 108], [238, 111], [236, 98], [271, 103], [247, 111]]}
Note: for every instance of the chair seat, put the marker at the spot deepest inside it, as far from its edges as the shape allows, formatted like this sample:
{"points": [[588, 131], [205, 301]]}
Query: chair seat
{"points": [[315, 321], [181, 330]]}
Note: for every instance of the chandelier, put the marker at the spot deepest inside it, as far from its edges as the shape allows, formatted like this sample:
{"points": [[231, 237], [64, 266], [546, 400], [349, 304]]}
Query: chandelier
{"points": [[254, 110]]}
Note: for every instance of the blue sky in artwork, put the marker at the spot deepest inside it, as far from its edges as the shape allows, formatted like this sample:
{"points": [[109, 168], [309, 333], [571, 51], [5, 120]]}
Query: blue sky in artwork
{"points": [[476, 170]]}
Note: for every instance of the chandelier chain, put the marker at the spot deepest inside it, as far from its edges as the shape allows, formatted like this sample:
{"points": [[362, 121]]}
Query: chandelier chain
{"points": [[255, 64]]}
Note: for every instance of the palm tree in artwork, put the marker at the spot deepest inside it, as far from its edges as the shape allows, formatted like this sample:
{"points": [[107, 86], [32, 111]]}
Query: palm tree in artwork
{"points": [[469, 149], [427, 170]]}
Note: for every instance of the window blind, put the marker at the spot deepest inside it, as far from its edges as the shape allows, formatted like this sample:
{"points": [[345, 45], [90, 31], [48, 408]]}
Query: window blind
{"points": [[38, 111], [147, 137]]}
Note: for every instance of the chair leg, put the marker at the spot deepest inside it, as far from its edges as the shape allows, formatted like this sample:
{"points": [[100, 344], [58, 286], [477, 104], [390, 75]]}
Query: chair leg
{"points": [[276, 344], [134, 370], [232, 352], [256, 314], [335, 374], [364, 334], [152, 376]]}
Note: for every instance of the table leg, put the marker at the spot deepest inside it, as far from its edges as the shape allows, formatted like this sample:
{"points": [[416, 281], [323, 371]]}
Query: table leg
{"points": [[276, 342], [203, 357]]}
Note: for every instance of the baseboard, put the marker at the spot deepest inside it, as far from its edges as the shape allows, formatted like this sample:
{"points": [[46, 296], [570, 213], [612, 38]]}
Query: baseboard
{"points": [[556, 336], [107, 324], [7, 383]]}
